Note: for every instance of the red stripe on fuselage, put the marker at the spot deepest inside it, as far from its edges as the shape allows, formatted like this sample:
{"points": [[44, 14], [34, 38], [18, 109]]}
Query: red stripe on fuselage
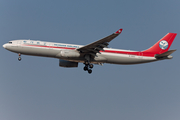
{"points": [[49, 46], [105, 51]]}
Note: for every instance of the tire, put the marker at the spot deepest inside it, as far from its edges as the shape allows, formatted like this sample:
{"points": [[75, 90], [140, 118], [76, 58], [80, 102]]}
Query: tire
{"points": [[85, 68], [86, 63], [89, 71], [91, 66], [19, 59]]}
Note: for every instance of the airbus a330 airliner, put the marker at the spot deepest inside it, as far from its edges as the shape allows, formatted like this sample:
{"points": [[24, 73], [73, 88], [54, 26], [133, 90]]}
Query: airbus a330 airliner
{"points": [[70, 55]]}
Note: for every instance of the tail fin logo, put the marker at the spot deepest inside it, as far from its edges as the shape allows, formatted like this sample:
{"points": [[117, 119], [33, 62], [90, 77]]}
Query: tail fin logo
{"points": [[163, 44]]}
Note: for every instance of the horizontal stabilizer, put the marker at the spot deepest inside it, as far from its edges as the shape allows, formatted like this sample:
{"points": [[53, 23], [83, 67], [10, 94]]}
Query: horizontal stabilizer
{"points": [[165, 54]]}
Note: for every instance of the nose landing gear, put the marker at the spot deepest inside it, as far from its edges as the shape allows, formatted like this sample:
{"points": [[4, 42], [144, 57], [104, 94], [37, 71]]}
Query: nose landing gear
{"points": [[19, 58]]}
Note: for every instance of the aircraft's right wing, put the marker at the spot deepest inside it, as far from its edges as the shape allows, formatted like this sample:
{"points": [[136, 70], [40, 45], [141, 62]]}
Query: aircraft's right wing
{"points": [[96, 46]]}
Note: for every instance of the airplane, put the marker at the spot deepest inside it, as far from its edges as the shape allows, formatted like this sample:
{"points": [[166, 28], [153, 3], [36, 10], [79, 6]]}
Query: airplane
{"points": [[70, 55]]}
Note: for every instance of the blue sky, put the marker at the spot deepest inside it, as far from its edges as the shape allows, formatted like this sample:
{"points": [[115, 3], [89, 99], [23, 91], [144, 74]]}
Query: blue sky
{"points": [[38, 89]]}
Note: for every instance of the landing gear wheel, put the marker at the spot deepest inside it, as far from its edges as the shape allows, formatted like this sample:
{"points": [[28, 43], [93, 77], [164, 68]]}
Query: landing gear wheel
{"points": [[85, 68], [19, 58], [89, 71], [91, 65], [86, 63], [88, 66]]}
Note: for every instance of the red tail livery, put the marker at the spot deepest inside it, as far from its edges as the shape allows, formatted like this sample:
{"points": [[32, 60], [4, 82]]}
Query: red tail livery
{"points": [[161, 46]]}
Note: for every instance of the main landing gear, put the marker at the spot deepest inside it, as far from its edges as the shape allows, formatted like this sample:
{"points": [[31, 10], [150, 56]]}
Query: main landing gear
{"points": [[19, 58], [88, 67]]}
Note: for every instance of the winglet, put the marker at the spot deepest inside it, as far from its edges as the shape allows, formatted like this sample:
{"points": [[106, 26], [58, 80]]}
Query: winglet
{"points": [[119, 31]]}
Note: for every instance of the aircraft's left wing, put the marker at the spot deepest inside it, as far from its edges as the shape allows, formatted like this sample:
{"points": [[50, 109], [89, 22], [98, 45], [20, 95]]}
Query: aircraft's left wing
{"points": [[96, 46]]}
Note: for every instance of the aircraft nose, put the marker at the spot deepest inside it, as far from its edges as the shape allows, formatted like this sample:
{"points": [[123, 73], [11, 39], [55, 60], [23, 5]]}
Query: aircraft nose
{"points": [[4, 46]]}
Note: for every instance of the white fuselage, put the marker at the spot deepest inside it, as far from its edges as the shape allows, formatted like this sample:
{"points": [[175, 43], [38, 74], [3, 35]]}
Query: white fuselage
{"points": [[69, 52]]}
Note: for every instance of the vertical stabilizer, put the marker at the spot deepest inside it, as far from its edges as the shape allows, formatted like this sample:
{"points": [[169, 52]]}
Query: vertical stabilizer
{"points": [[162, 45]]}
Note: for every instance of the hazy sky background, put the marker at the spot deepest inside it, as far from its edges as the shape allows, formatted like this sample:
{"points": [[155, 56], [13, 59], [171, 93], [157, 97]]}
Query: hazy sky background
{"points": [[38, 89]]}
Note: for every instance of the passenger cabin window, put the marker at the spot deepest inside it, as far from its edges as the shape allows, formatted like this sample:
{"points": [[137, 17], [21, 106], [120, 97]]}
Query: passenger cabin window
{"points": [[10, 42]]}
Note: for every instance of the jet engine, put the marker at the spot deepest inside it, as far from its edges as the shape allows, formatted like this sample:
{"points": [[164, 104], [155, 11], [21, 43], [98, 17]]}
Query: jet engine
{"points": [[65, 63]]}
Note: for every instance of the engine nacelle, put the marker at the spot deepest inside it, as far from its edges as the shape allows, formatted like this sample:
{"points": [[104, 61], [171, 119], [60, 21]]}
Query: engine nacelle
{"points": [[69, 54], [65, 63]]}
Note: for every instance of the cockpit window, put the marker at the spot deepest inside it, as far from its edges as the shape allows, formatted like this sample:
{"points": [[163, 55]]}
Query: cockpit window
{"points": [[10, 42]]}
